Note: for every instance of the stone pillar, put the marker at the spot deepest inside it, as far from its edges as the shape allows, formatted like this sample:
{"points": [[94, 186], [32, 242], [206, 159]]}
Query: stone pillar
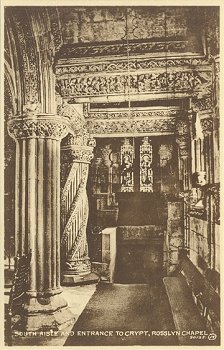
{"points": [[207, 129], [183, 141], [175, 233], [37, 212], [184, 161], [76, 267]]}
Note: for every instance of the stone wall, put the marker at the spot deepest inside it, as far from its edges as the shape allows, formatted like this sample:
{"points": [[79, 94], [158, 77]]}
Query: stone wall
{"points": [[204, 249], [82, 25]]}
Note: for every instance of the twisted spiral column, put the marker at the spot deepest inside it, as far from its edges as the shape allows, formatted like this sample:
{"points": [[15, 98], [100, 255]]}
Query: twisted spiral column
{"points": [[75, 211]]}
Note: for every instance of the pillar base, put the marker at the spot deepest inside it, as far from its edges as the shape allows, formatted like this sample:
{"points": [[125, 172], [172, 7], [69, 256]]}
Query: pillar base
{"points": [[78, 280], [45, 314], [78, 267]]}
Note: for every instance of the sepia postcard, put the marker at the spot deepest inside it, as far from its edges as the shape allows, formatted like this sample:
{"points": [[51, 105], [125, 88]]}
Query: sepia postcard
{"points": [[111, 153]]}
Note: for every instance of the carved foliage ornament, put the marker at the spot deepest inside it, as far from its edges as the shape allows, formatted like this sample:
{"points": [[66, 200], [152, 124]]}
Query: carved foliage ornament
{"points": [[182, 127], [81, 154], [206, 125], [202, 104], [122, 84], [133, 114], [29, 56], [81, 139], [77, 121], [132, 126], [44, 126]]}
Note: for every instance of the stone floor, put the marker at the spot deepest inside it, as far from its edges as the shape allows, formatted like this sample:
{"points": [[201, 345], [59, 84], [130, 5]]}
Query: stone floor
{"points": [[77, 298]]}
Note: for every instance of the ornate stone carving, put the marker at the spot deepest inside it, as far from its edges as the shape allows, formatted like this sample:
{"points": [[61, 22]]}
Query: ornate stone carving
{"points": [[120, 65], [165, 154], [76, 51], [77, 121], [55, 26], [42, 126], [82, 154], [132, 114], [202, 104], [75, 205], [182, 127], [28, 55], [152, 126], [80, 139], [183, 143], [206, 125], [187, 81], [79, 266], [214, 190]]}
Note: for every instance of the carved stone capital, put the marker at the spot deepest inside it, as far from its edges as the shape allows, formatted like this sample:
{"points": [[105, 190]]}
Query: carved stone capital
{"points": [[81, 139], [80, 154], [47, 126]]}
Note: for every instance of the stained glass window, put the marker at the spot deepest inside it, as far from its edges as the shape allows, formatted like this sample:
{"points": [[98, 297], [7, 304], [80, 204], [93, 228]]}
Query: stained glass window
{"points": [[146, 173], [127, 158]]}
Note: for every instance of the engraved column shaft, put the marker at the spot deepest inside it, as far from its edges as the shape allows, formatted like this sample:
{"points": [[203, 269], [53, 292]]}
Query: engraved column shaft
{"points": [[38, 197], [74, 241]]}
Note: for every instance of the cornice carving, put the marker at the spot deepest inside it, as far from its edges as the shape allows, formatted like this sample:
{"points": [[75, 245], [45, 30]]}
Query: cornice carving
{"points": [[76, 51], [153, 126], [178, 81], [122, 65], [42, 126]]}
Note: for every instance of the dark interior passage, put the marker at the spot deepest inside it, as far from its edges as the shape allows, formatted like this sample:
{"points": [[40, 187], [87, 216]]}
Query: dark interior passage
{"points": [[139, 256], [116, 307]]}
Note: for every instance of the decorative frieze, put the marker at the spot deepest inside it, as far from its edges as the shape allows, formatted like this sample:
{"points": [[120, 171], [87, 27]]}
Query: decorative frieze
{"points": [[77, 51], [132, 114], [74, 67], [152, 126], [42, 126], [95, 85]]}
